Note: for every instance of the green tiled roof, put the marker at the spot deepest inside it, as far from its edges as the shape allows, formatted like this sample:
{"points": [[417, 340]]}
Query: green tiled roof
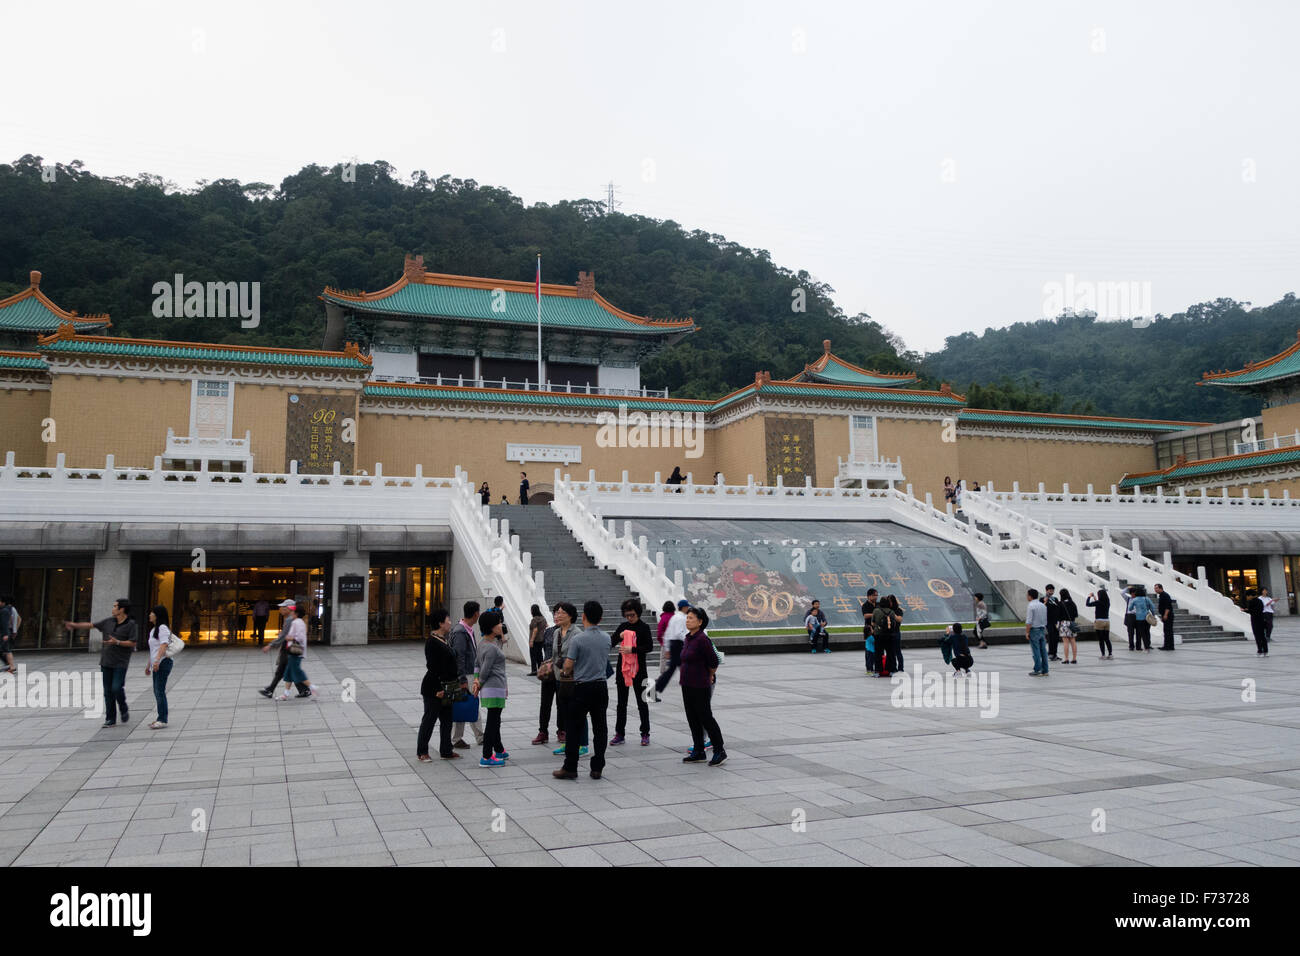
{"points": [[839, 375], [1283, 365], [32, 315], [530, 398], [812, 390], [17, 360], [1062, 421], [1216, 466], [520, 308], [205, 353]]}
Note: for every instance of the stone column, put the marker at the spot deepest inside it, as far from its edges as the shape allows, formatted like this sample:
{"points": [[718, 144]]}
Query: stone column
{"points": [[350, 622], [1273, 577], [112, 581]]}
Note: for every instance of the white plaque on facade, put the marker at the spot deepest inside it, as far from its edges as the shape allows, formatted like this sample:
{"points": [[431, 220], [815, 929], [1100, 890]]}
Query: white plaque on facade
{"points": [[563, 454]]}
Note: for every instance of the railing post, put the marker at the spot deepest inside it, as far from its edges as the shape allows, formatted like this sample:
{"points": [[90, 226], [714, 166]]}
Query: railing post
{"points": [[1065, 491], [1202, 580], [1091, 496], [1167, 560], [379, 469], [1137, 548]]}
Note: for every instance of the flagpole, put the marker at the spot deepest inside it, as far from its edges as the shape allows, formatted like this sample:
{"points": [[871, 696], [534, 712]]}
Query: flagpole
{"points": [[539, 322]]}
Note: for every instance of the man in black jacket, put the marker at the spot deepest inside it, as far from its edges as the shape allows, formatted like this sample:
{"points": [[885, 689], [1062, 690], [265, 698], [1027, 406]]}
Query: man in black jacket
{"points": [[1053, 620], [1165, 611], [441, 670]]}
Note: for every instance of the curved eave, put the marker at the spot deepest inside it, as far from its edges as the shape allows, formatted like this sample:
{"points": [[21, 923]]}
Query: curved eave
{"points": [[1209, 467]]}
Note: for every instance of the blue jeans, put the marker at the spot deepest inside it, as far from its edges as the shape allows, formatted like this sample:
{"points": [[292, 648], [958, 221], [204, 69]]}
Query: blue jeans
{"points": [[114, 693], [1038, 644], [160, 675]]}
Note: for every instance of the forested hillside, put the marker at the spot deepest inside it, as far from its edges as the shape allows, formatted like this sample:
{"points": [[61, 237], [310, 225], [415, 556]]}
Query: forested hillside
{"points": [[102, 243]]}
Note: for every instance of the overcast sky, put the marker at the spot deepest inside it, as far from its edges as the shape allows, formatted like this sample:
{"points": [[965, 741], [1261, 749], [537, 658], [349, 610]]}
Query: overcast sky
{"points": [[939, 165]]}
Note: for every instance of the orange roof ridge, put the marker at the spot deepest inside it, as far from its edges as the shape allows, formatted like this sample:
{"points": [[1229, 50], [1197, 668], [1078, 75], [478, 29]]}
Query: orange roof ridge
{"points": [[1101, 418], [34, 292], [508, 285], [13, 353], [1206, 461], [1254, 366], [351, 350]]}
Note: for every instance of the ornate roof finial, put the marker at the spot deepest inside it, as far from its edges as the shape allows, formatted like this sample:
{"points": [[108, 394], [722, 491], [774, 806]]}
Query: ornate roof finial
{"points": [[945, 389], [413, 268], [66, 330], [587, 285], [826, 346], [36, 284]]}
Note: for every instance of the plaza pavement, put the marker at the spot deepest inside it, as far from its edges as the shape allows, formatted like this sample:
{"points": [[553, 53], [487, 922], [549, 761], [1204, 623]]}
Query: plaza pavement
{"points": [[1184, 771]]}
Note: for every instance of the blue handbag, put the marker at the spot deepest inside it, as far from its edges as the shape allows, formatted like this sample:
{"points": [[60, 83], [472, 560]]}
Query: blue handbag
{"points": [[465, 711]]}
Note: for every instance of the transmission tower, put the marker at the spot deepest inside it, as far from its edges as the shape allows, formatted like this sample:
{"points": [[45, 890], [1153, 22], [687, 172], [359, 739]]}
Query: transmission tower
{"points": [[611, 203]]}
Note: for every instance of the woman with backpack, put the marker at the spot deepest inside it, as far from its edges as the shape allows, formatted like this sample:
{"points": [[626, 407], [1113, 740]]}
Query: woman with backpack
{"points": [[1069, 630], [491, 688], [159, 665], [1140, 607]]}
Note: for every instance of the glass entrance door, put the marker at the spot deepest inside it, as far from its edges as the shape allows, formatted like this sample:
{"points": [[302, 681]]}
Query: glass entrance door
{"points": [[217, 606]]}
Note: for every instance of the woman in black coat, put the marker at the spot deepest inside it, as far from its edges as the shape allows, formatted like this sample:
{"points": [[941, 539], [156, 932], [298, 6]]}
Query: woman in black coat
{"points": [[441, 670]]}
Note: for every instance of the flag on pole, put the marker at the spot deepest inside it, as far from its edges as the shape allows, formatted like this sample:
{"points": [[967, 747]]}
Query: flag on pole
{"points": [[540, 378]]}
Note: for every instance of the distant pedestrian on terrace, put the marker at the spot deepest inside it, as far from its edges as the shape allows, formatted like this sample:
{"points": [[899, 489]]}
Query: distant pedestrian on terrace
{"points": [[523, 487]]}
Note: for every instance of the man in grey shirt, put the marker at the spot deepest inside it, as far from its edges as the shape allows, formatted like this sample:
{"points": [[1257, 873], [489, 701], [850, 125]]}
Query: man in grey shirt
{"points": [[586, 661], [1036, 633]]}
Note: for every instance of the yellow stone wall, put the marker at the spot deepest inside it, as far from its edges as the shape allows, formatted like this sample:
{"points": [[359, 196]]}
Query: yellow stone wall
{"points": [[1003, 461], [21, 413], [1281, 420], [99, 415]]}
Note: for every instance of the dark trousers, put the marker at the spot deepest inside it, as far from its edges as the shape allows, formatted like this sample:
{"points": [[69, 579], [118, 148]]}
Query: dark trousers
{"points": [[435, 713], [492, 732], [114, 693], [544, 715], [620, 713], [563, 706], [698, 704], [590, 697], [1268, 627], [1053, 638], [871, 658], [1130, 624], [962, 662], [674, 659], [259, 630], [1169, 633], [281, 662], [1143, 630], [534, 657], [896, 651], [818, 639], [1261, 639], [1103, 640], [160, 675]]}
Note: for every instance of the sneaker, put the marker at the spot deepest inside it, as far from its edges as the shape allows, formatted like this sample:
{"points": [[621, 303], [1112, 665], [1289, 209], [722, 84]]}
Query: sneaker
{"points": [[708, 744], [693, 757], [282, 697], [541, 738], [826, 650], [645, 740], [559, 752], [301, 695], [490, 762], [451, 756], [110, 723], [1035, 673], [125, 716], [266, 693], [718, 757], [314, 691], [616, 740], [503, 755], [813, 651], [158, 725]]}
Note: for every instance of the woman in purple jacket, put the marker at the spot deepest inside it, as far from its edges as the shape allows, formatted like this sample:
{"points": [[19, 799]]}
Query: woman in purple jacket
{"points": [[699, 662]]}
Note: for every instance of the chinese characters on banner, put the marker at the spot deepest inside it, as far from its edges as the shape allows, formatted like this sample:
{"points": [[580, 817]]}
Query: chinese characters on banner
{"points": [[314, 434], [790, 450]]}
